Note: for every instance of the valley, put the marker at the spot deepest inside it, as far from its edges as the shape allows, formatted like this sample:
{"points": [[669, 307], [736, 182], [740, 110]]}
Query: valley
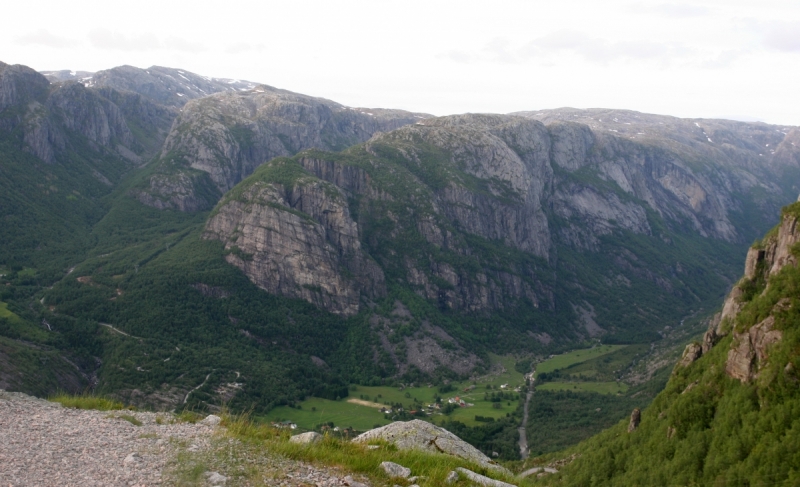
{"points": [[267, 251]]}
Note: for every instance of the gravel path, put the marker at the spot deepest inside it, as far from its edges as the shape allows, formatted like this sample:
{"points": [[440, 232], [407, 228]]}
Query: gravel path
{"points": [[45, 444]]}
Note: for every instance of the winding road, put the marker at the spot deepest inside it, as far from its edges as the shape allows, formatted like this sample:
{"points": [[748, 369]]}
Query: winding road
{"points": [[523, 435]]}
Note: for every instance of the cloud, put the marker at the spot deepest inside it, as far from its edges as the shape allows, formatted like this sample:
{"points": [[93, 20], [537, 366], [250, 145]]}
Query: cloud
{"points": [[242, 47], [555, 47], [458, 56], [784, 36], [599, 50], [106, 39], [177, 44], [45, 38], [673, 10]]}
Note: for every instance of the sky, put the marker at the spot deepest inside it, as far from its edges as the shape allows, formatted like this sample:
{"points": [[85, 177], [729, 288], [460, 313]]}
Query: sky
{"points": [[711, 59]]}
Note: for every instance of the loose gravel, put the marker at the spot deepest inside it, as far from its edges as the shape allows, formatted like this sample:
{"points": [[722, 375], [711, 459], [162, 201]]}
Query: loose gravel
{"points": [[43, 444]]}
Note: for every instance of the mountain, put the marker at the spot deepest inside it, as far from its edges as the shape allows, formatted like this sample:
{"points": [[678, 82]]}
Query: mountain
{"points": [[166, 86], [426, 194], [253, 246], [218, 140], [64, 147], [728, 415]]}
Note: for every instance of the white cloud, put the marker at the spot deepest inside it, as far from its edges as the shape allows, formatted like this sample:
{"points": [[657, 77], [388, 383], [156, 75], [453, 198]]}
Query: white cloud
{"points": [[243, 47], [106, 39], [44, 38], [179, 44]]}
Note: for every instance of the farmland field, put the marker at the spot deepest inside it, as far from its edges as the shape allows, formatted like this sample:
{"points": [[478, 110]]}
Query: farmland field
{"points": [[575, 357], [598, 387], [317, 411], [314, 411]]}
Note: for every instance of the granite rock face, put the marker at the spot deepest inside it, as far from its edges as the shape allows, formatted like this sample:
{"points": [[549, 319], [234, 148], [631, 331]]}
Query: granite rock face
{"points": [[54, 119], [506, 179], [225, 136], [750, 347], [299, 241]]}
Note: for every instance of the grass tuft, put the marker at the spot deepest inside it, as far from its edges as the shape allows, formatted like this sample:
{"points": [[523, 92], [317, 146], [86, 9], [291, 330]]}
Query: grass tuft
{"points": [[87, 401], [127, 417]]}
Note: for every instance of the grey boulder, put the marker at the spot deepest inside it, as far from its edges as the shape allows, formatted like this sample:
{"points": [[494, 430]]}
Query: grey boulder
{"points": [[394, 470], [421, 435], [306, 438]]}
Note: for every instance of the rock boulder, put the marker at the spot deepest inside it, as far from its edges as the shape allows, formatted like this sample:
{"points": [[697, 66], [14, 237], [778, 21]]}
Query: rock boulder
{"points": [[421, 435]]}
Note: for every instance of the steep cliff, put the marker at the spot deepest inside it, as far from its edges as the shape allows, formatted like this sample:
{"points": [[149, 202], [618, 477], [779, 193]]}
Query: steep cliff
{"points": [[728, 415], [52, 120], [218, 140], [292, 234], [440, 201]]}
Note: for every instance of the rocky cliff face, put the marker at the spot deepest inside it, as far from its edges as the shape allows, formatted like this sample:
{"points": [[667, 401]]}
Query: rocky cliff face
{"points": [[693, 169], [299, 240], [750, 346], [528, 187], [47, 116], [224, 137]]}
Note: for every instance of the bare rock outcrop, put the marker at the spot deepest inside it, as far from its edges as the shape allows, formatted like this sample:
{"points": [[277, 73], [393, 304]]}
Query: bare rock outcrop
{"points": [[691, 353], [421, 435], [227, 135], [295, 241], [750, 348], [636, 418]]}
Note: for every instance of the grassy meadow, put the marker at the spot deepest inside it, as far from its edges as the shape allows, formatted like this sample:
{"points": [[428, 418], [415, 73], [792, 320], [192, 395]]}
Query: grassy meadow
{"points": [[353, 411], [560, 362], [598, 387]]}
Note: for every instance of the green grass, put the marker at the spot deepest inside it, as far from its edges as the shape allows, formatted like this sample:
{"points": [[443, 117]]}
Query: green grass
{"points": [[351, 457], [6, 313], [382, 394], [87, 401], [578, 356], [607, 367], [127, 417], [599, 387], [314, 411], [317, 411], [481, 408]]}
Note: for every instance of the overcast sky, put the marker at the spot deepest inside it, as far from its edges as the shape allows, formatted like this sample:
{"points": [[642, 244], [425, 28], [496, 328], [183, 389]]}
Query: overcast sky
{"points": [[728, 59]]}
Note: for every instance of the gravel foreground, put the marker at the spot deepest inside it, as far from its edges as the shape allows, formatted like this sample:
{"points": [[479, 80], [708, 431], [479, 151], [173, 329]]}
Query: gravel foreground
{"points": [[45, 444]]}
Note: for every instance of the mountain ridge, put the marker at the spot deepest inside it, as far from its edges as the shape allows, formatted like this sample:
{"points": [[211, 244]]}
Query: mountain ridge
{"points": [[378, 247]]}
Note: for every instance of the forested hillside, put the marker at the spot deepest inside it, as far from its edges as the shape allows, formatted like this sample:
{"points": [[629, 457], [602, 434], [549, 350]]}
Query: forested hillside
{"points": [[730, 413]]}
